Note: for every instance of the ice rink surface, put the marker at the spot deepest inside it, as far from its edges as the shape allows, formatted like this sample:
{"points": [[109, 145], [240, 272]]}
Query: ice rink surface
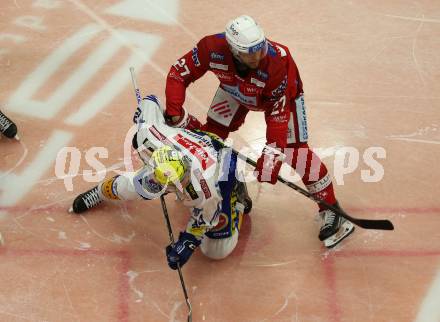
{"points": [[371, 73]]}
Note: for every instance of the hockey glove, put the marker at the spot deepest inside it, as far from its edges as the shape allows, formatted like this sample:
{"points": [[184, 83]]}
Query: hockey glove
{"points": [[181, 251], [269, 165], [185, 121]]}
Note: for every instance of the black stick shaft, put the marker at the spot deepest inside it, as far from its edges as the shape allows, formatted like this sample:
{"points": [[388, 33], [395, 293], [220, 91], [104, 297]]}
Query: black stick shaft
{"points": [[170, 234], [381, 224]]}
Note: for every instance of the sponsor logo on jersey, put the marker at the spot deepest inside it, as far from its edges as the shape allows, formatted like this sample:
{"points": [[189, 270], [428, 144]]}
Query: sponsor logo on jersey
{"points": [[203, 184], [199, 224], [206, 141], [223, 222], [159, 135], [218, 66], [196, 150], [152, 186], [195, 56], [217, 56], [250, 90], [257, 82], [192, 192], [198, 217], [239, 78], [224, 77], [262, 75], [240, 97], [223, 109], [302, 119], [279, 91], [174, 74], [280, 118]]}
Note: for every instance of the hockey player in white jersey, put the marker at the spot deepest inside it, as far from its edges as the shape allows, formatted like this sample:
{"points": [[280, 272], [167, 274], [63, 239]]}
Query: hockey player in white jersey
{"points": [[195, 167]]}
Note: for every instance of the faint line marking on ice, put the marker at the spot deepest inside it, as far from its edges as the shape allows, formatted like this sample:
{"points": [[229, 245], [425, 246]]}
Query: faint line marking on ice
{"points": [[62, 235], [276, 264], [312, 102], [116, 239], [173, 312], [329, 269], [19, 185], [423, 19], [123, 268], [387, 253], [23, 156], [286, 302], [165, 13], [83, 246], [16, 315], [429, 131], [131, 277], [430, 310], [283, 307], [159, 309], [378, 53], [103, 23], [416, 63], [416, 210], [70, 300], [414, 140]]}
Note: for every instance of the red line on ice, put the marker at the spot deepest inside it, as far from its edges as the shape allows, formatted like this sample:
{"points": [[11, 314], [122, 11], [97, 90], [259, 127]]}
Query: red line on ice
{"points": [[123, 268]]}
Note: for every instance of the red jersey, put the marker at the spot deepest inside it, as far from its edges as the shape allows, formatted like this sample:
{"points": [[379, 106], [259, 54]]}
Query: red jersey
{"points": [[271, 88]]}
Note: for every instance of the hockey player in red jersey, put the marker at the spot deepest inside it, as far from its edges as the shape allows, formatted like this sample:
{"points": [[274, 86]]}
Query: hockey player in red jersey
{"points": [[256, 74]]}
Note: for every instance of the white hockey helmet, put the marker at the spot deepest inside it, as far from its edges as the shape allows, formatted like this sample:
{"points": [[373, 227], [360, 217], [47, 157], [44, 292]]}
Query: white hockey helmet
{"points": [[244, 35]]}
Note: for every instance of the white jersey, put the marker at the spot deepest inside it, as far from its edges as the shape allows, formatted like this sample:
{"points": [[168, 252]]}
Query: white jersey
{"points": [[202, 195]]}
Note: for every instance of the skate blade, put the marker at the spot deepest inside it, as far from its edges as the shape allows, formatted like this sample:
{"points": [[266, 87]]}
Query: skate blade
{"points": [[17, 137], [346, 229], [70, 210]]}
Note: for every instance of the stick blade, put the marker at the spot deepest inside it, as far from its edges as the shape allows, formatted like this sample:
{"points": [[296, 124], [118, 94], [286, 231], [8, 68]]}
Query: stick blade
{"points": [[381, 224]]}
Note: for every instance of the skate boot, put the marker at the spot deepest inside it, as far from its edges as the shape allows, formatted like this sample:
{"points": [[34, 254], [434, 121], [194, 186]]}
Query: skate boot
{"points": [[334, 228], [7, 127], [243, 196], [86, 200]]}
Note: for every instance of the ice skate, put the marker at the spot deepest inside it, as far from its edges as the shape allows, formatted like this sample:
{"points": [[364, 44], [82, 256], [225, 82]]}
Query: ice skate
{"points": [[334, 228], [7, 127], [86, 200], [243, 196]]}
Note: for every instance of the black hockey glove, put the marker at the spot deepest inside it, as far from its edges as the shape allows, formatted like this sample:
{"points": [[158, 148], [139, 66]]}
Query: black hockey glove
{"points": [[182, 250]]}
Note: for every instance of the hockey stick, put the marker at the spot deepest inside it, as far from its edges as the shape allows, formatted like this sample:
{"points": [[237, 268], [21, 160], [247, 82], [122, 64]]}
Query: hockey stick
{"points": [[137, 92], [170, 233], [381, 224], [164, 209]]}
